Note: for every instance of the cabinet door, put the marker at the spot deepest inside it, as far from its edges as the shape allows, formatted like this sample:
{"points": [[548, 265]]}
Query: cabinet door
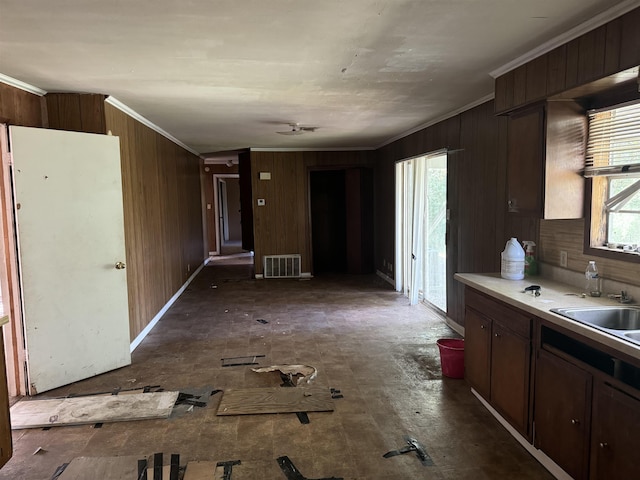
{"points": [[477, 351], [510, 362], [525, 162], [615, 435], [561, 413]]}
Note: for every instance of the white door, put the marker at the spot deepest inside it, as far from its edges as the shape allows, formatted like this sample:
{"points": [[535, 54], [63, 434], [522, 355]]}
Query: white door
{"points": [[68, 200]]}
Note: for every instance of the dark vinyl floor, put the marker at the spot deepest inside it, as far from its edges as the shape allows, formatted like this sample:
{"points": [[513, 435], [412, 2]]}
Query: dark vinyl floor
{"points": [[363, 338]]}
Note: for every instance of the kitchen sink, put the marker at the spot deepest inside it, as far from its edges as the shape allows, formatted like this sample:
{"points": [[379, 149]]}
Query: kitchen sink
{"points": [[621, 321], [612, 318]]}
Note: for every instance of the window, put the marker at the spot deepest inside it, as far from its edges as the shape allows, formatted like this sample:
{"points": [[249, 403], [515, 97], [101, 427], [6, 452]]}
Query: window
{"points": [[613, 164]]}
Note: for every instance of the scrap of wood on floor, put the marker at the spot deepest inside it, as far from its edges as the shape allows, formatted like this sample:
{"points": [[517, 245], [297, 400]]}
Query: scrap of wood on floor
{"points": [[252, 401], [92, 409]]}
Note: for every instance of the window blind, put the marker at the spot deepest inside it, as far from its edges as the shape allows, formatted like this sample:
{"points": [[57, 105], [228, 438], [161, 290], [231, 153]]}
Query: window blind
{"points": [[613, 146]]}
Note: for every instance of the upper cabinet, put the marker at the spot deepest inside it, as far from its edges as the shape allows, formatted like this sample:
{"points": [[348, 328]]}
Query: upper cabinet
{"points": [[545, 155], [602, 52]]}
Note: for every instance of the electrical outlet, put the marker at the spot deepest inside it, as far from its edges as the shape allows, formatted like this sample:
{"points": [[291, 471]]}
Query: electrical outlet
{"points": [[563, 258]]}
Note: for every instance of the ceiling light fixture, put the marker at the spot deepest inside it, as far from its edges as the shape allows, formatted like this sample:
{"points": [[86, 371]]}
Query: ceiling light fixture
{"points": [[297, 129]]}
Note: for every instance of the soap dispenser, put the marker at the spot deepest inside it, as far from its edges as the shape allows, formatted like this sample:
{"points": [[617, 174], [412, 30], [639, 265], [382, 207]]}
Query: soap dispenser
{"points": [[530, 263]]}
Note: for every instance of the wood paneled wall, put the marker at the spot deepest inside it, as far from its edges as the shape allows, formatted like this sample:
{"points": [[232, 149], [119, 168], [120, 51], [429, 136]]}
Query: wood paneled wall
{"points": [[162, 214], [76, 112], [161, 193], [18, 107], [282, 225], [476, 194]]}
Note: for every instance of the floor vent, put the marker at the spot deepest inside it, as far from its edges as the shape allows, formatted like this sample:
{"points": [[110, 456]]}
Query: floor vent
{"points": [[282, 266]]}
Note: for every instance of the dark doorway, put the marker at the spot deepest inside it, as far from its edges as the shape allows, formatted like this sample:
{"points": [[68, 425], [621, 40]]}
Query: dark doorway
{"points": [[328, 221]]}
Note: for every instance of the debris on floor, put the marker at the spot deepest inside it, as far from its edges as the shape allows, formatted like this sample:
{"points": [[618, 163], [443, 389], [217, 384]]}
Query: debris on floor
{"points": [[292, 473], [262, 321], [240, 361], [253, 401], [91, 409], [412, 446], [307, 373], [192, 398]]}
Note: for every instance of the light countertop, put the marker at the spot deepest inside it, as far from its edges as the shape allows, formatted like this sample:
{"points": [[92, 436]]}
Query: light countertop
{"points": [[553, 295]]}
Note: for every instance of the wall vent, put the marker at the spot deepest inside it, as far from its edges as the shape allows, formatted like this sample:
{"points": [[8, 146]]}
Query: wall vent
{"points": [[282, 266]]}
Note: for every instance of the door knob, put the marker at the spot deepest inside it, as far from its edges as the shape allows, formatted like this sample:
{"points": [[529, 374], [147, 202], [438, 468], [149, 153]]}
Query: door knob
{"points": [[120, 265]]}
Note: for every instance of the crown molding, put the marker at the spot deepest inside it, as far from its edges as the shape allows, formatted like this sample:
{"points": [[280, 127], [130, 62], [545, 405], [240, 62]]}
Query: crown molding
{"points": [[132, 113], [442, 118], [22, 85], [591, 24], [332, 149]]}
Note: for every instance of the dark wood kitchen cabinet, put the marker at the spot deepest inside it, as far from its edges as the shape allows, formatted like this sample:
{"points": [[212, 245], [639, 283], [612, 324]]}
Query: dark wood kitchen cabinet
{"points": [[477, 351], [615, 435], [498, 357], [545, 156], [525, 162], [562, 413]]}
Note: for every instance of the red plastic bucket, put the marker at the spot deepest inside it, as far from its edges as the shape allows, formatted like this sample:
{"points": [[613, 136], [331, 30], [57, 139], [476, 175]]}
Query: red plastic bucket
{"points": [[452, 357]]}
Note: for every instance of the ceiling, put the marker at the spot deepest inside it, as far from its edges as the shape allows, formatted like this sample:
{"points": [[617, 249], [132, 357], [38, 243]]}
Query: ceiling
{"points": [[226, 74]]}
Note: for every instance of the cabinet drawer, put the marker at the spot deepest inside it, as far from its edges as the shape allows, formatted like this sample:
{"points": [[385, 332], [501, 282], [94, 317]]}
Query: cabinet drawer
{"points": [[514, 320]]}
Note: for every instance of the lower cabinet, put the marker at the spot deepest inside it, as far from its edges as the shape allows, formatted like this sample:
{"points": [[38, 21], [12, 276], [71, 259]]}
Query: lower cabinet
{"points": [[574, 399], [562, 413], [498, 357], [615, 435], [587, 407]]}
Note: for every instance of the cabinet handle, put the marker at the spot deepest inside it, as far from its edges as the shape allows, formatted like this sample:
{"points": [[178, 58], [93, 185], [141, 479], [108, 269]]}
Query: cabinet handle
{"points": [[575, 422], [604, 445], [482, 327], [497, 335]]}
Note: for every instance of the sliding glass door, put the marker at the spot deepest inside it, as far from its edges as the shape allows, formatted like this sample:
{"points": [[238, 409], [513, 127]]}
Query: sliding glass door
{"points": [[421, 207]]}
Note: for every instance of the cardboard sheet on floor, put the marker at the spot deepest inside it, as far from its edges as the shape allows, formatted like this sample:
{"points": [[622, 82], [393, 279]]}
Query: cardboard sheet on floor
{"points": [[93, 409], [253, 401]]}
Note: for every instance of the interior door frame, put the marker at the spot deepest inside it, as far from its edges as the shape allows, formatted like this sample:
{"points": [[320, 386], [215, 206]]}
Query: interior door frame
{"points": [[217, 206], [14, 343]]}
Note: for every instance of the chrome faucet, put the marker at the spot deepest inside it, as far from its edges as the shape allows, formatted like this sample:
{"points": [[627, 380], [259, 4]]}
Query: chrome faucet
{"points": [[622, 297]]}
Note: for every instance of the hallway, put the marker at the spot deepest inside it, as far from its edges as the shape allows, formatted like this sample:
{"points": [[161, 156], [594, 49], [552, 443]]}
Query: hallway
{"points": [[363, 338]]}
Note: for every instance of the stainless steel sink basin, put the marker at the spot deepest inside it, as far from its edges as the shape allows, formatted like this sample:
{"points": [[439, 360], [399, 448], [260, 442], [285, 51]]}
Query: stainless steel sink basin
{"points": [[621, 321], [611, 318], [633, 336]]}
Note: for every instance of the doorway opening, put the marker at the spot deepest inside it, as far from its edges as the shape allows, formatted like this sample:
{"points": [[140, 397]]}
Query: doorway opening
{"points": [[228, 225], [341, 204], [421, 218], [329, 221]]}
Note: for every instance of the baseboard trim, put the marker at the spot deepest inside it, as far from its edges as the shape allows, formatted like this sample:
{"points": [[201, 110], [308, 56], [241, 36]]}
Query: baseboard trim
{"points": [[544, 460], [386, 278], [459, 329], [138, 340]]}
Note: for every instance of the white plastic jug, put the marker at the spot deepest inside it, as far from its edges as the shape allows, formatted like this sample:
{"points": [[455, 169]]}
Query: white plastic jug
{"points": [[512, 265]]}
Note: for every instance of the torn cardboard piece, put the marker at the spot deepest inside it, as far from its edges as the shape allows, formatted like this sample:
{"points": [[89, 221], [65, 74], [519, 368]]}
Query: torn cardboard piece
{"points": [[307, 373]]}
